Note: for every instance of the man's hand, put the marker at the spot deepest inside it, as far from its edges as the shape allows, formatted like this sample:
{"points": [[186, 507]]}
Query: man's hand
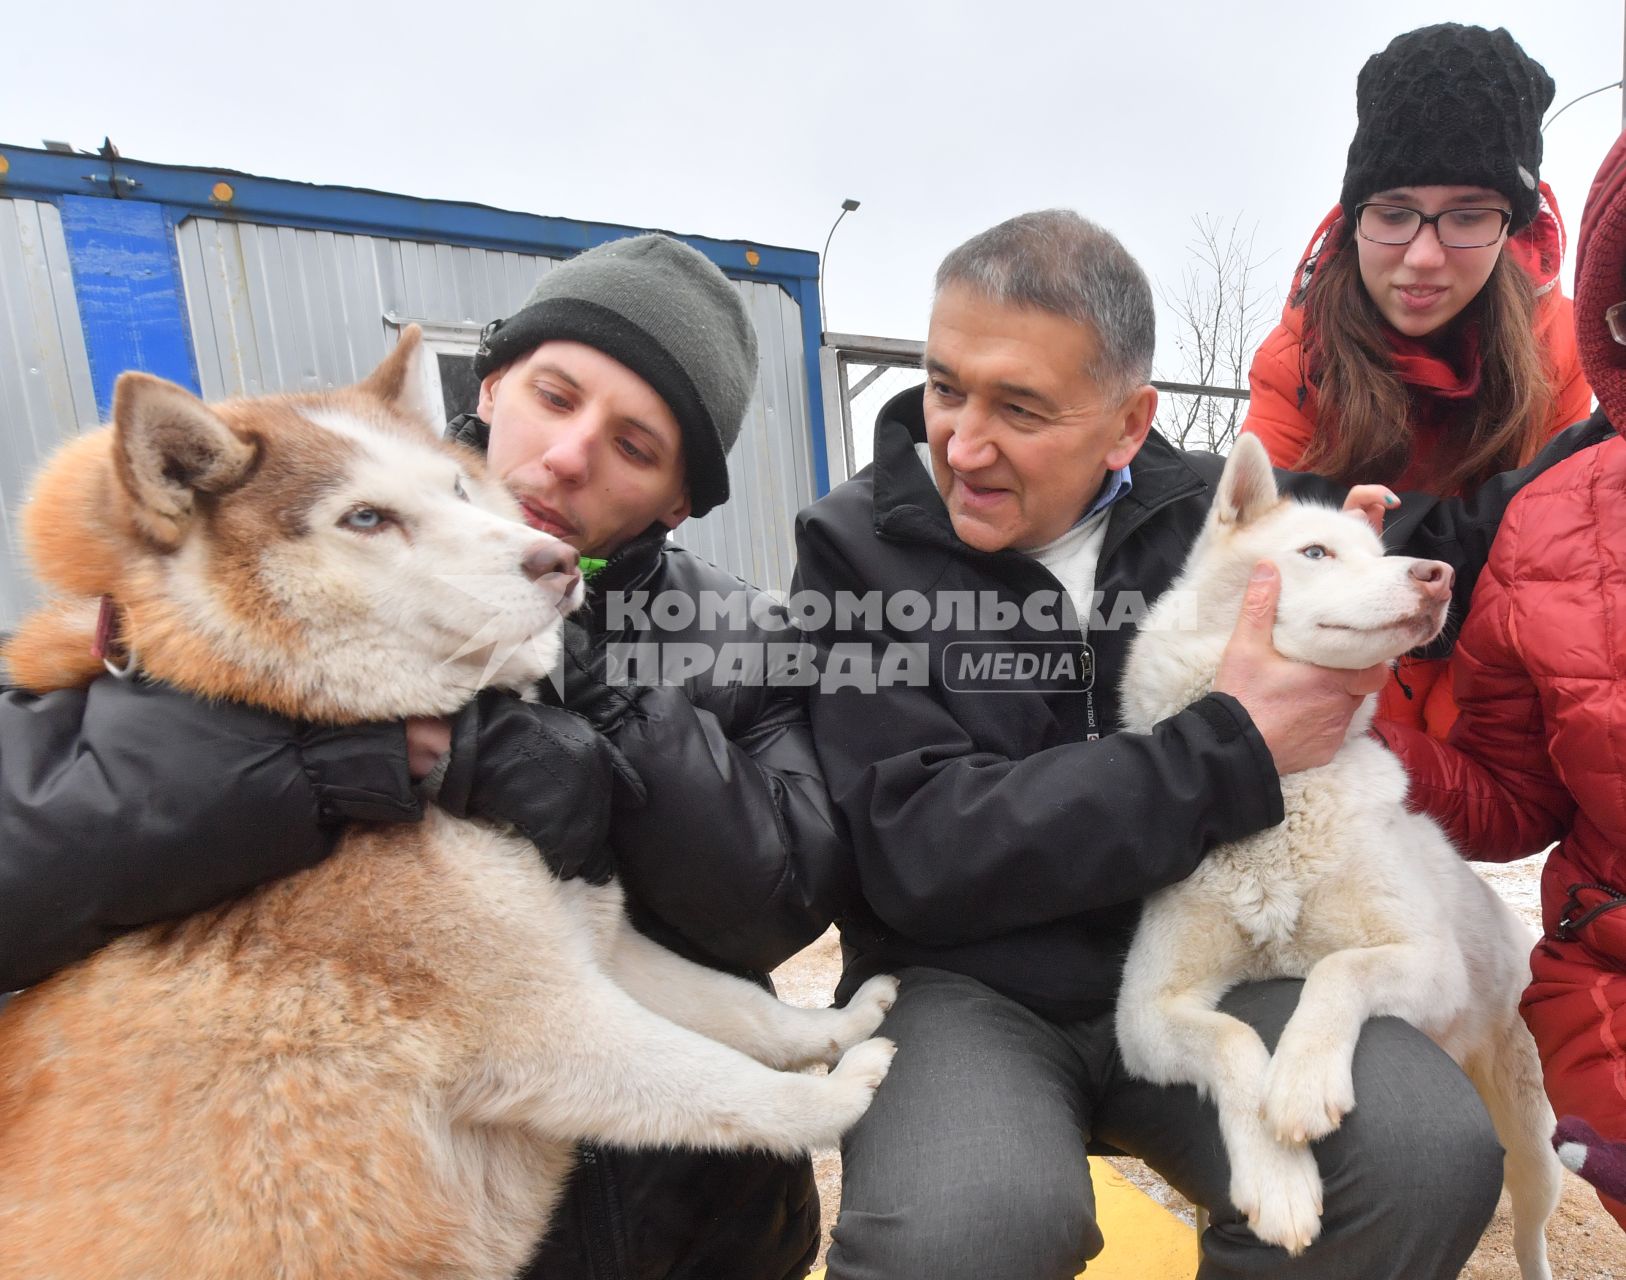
{"points": [[1301, 711], [428, 739]]}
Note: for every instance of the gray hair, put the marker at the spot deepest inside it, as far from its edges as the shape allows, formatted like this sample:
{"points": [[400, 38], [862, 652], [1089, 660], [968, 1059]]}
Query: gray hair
{"points": [[1056, 261]]}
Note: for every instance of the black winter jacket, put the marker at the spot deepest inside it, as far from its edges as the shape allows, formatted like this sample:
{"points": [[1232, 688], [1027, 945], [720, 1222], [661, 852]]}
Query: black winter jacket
{"points": [[127, 803], [994, 836], [735, 860], [735, 857], [130, 803]]}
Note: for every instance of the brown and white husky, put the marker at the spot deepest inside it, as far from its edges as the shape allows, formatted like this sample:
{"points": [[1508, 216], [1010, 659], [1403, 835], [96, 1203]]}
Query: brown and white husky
{"points": [[379, 1067]]}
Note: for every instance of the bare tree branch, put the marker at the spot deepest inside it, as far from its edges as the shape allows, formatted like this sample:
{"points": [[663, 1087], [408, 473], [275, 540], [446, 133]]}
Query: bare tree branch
{"points": [[1221, 312]]}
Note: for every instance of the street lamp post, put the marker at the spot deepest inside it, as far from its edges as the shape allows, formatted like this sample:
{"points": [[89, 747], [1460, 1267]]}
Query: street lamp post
{"points": [[1602, 88], [847, 206]]}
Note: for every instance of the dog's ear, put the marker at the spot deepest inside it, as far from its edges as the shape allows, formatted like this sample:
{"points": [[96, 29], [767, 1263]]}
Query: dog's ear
{"points": [[402, 382], [1247, 488], [168, 447]]}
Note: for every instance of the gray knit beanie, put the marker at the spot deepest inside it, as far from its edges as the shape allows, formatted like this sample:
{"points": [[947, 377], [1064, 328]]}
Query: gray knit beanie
{"points": [[668, 314]]}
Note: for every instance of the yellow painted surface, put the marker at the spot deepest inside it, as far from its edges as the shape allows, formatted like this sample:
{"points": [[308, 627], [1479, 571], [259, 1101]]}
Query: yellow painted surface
{"points": [[1144, 1240]]}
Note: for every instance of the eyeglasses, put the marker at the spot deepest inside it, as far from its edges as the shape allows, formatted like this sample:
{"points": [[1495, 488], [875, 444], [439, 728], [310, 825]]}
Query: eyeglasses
{"points": [[1615, 318], [1394, 224]]}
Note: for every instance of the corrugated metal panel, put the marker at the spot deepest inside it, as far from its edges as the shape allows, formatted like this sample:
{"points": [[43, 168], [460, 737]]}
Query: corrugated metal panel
{"points": [[283, 309], [770, 469], [45, 385]]}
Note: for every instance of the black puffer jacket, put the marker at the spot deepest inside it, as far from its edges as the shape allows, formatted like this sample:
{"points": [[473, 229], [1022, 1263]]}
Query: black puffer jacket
{"points": [[993, 836], [130, 803]]}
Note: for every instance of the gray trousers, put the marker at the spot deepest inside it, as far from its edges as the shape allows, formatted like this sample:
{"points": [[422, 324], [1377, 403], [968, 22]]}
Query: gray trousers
{"points": [[971, 1161]]}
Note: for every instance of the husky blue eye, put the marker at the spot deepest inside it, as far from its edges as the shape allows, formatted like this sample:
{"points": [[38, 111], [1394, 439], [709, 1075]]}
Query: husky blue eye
{"points": [[1315, 551], [363, 518]]}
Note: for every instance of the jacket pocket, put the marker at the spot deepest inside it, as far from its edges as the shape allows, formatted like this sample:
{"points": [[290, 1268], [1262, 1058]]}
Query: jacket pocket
{"points": [[1594, 916]]}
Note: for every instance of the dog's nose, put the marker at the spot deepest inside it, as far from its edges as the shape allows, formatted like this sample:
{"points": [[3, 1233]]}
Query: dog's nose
{"points": [[1435, 577], [551, 559]]}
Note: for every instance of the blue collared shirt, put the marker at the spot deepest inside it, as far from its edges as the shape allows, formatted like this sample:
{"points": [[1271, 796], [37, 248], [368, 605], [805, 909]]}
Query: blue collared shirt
{"points": [[1113, 486]]}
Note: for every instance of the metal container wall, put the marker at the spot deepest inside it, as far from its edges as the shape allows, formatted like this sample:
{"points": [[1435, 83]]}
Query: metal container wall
{"points": [[275, 308], [770, 469], [45, 386]]}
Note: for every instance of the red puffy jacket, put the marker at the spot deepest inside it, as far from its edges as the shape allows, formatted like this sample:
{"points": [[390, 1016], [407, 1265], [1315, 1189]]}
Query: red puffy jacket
{"points": [[1539, 754], [1282, 412]]}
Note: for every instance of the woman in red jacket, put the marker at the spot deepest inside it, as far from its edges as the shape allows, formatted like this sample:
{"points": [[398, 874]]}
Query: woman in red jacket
{"points": [[1539, 751], [1426, 344]]}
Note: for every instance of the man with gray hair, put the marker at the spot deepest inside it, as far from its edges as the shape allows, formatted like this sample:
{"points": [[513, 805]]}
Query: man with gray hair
{"points": [[985, 575]]}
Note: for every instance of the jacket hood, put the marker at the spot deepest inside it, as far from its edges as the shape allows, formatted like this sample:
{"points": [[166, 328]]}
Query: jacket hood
{"points": [[1600, 282]]}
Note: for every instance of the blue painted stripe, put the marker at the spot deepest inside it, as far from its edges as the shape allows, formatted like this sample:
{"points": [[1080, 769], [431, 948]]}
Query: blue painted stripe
{"points": [[128, 284], [300, 204], [806, 295]]}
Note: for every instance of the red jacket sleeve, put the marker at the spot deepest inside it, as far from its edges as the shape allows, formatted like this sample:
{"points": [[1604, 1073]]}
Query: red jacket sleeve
{"points": [[1491, 784], [1275, 413]]}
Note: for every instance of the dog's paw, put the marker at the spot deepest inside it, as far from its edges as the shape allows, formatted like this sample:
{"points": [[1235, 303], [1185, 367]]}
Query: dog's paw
{"points": [[1307, 1095], [853, 1082], [858, 1019], [870, 1004], [866, 1064], [1280, 1192], [845, 1094]]}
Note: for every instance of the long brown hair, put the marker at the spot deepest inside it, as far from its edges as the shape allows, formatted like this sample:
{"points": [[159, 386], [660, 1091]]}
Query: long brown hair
{"points": [[1365, 429]]}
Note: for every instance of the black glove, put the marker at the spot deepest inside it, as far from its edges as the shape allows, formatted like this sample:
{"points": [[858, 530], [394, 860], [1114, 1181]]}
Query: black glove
{"points": [[545, 771], [584, 689]]}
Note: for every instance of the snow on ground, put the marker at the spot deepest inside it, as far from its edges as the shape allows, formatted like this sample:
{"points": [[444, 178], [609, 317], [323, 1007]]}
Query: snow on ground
{"points": [[1518, 883]]}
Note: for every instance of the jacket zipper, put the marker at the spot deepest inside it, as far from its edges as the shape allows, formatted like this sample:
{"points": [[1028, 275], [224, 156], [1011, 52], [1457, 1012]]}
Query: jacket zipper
{"points": [[1569, 925], [596, 1209]]}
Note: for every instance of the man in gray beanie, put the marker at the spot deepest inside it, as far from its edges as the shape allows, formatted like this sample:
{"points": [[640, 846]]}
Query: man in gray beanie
{"points": [[607, 404], [664, 311]]}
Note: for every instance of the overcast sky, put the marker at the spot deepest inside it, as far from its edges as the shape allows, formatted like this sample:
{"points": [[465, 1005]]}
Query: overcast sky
{"points": [[754, 121]]}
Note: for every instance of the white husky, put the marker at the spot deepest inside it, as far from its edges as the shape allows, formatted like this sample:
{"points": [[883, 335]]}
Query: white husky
{"points": [[1367, 902], [379, 1067]]}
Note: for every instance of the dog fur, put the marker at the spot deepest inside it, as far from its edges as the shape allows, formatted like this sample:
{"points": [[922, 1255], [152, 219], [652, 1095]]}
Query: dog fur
{"points": [[1367, 902], [379, 1067]]}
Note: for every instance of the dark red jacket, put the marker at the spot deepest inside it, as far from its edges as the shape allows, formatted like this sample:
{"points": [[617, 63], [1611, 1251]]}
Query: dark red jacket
{"points": [[1540, 670], [1538, 754]]}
